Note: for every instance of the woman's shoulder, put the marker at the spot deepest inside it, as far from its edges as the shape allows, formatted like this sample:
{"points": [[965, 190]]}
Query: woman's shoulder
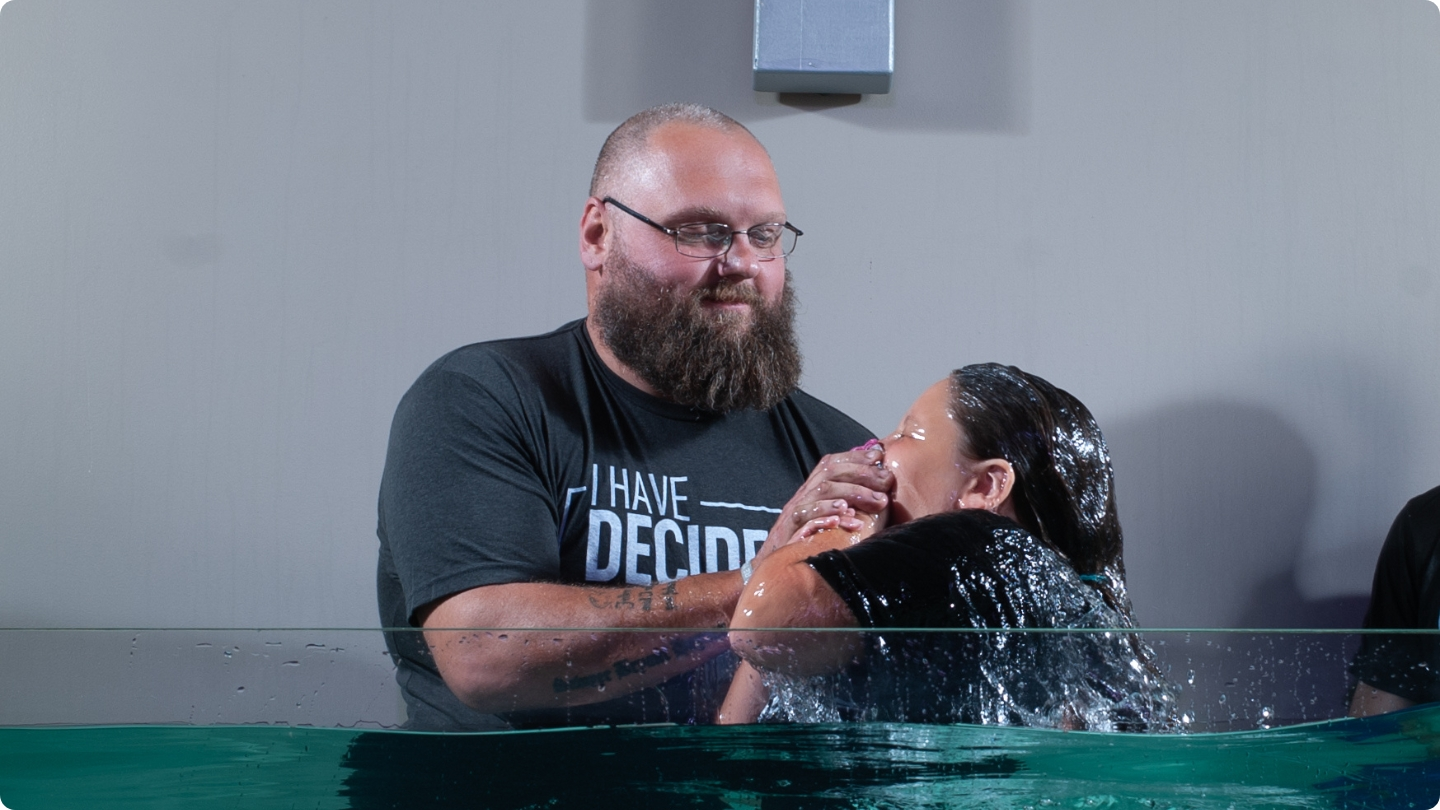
{"points": [[957, 533]]}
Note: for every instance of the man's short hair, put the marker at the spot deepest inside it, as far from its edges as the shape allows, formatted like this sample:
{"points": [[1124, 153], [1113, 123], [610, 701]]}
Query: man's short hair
{"points": [[629, 139]]}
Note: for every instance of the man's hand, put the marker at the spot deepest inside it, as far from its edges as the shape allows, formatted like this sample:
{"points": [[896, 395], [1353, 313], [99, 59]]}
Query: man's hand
{"points": [[852, 487]]}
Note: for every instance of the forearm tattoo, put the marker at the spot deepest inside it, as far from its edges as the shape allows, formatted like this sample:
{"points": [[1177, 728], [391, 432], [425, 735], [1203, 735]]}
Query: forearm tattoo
{"points": [[643, 600], [679, 648]]}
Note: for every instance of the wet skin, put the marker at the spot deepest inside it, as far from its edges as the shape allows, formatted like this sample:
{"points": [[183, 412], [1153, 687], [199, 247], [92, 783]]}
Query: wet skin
{"points": [[932, 473], [922, 454]]}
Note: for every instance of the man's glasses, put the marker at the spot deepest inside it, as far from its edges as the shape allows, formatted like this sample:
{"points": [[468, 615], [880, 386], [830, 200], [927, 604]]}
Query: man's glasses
{"points": [[706, 240]]}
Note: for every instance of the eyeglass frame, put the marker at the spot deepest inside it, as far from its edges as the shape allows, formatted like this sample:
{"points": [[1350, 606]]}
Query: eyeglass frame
{"points": [[674, 233]]}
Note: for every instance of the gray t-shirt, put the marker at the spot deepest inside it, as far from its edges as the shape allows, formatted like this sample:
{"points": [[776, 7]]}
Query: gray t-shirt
{"points": [[528, 460]]}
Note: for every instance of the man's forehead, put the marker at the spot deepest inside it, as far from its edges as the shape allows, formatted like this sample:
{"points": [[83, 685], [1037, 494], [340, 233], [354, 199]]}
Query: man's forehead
{"points": [[681, 145], [704, 172], [682, 136]]}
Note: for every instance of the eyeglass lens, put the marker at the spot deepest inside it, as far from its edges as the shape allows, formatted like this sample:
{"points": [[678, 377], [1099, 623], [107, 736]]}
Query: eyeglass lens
{"points": [[708, 240]]}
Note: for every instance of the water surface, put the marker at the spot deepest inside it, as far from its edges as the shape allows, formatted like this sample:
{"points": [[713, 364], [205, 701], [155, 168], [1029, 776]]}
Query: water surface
{"points": [[1384, 762]]}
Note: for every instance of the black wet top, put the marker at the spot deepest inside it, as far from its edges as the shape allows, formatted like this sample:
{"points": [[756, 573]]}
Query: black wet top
{"points": [[973, 569], [969, 568]]}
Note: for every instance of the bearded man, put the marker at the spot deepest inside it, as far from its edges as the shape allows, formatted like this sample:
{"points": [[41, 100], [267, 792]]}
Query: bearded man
{"points": [[622, 471]]}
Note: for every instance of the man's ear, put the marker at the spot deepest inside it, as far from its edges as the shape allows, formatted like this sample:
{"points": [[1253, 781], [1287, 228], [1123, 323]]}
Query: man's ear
{"points": [[988, 485], [594, 235]]}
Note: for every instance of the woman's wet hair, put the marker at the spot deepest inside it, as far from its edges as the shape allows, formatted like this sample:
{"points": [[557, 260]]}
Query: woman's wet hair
{"points": [[1063, 491]]}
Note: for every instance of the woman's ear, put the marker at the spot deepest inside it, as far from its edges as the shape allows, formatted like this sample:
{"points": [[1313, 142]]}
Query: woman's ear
{"points": [[987, 485]]}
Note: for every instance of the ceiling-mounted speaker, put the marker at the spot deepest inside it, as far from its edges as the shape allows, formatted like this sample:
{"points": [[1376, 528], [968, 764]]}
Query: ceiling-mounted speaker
{"points": [[824, 46]]}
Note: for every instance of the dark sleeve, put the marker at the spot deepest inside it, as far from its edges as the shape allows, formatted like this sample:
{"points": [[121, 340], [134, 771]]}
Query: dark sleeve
{"points": [[945, 570], [1394, 591], [463, 501], [1401, 597]]}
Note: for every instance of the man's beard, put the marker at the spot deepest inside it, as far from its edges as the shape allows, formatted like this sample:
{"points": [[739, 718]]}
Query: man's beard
{"points": [[704, 359]]}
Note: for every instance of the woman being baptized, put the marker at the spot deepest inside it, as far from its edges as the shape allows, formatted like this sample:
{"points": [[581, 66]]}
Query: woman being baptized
{"points": [[1003, 517]]}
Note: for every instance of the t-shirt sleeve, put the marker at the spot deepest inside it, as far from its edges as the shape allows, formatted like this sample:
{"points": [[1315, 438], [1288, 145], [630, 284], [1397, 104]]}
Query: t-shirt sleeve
{"points": [[463, 502]]}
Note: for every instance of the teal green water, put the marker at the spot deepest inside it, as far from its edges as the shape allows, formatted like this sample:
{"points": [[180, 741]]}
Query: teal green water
{"points": [[1385, 762]]}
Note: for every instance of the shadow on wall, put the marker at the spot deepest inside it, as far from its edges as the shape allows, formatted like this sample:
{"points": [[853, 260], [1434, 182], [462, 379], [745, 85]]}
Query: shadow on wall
{"points": [[958, 65], [1216, 499]]}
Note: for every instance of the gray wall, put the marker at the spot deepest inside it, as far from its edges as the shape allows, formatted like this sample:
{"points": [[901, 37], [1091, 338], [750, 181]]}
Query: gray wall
{"points": [[232, 233]]}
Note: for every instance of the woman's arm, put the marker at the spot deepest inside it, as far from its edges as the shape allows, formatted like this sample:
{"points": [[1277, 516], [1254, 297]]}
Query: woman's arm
{"points": [[745, 699], [785, 592]]}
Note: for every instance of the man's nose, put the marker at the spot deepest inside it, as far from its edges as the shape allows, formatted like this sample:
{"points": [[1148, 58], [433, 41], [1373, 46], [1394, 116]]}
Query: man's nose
{"points": [[741, 260]]}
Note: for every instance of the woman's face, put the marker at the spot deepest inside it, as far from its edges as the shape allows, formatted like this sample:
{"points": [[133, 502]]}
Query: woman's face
{"points": [[924, 454]]}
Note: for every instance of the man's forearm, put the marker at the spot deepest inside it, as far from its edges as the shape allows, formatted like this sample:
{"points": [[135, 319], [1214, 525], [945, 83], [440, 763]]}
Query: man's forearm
{"points": [[629, 638]]}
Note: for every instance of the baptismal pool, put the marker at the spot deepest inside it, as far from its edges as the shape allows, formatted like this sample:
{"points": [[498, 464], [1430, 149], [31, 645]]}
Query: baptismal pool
{"points": [[245, 745], [1391, 761]]}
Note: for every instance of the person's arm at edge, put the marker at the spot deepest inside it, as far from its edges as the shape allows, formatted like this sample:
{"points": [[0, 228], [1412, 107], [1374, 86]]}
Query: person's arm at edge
{"points": [[1369, 700], [1393, 603]]}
